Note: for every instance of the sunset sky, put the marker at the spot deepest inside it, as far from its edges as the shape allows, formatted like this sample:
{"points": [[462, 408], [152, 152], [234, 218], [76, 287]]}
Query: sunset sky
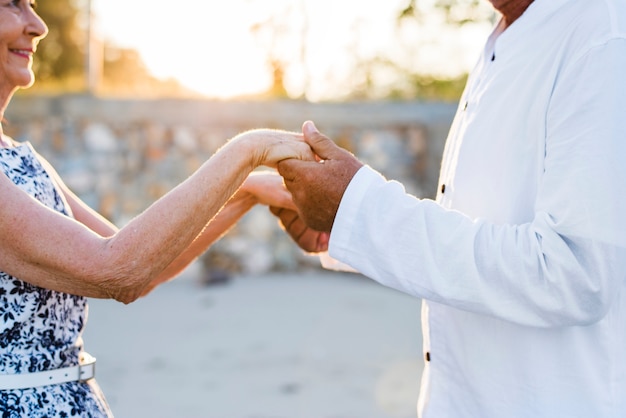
{"points": [[208, 45]]}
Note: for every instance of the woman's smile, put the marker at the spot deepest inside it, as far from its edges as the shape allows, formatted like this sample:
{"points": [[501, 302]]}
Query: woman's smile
{"points": [[26, 53]]}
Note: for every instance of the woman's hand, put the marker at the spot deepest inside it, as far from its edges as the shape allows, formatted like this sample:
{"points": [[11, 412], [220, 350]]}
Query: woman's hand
{"points": [[267, 147], [268, 188]]}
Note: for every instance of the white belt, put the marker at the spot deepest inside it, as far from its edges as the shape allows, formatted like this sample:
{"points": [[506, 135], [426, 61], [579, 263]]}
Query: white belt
{"points": [[84, 371]]}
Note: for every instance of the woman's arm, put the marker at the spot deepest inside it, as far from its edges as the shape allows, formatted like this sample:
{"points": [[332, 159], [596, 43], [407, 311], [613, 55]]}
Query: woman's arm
{"points": [[79, 209], [92, 259], [259, 188]]}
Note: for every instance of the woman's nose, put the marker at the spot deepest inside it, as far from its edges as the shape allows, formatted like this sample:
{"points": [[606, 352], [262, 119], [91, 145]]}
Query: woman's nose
{"points": [[35, 26]]}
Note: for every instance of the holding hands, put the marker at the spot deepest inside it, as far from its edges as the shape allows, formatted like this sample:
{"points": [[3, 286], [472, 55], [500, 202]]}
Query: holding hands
{"points": [[315, 171], [268, 147], [317, 186]]}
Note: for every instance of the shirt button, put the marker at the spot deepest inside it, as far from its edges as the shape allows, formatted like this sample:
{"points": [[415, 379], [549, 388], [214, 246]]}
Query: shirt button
{"points": [[428, 356], [465, 105], [443, 188]]}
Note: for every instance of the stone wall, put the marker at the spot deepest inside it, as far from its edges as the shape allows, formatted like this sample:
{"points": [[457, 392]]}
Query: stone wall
{"points": [[121, 155]]}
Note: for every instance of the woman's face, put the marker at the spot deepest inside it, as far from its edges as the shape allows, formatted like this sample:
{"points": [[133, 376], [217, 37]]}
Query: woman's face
{"points": [[21, 29]]}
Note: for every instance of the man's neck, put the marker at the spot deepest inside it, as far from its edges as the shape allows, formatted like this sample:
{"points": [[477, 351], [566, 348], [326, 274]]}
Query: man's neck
{"points": [[511, 9]]}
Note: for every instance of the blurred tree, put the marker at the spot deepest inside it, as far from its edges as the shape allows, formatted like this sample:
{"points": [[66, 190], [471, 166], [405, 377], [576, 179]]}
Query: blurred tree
{"points": [[59, 63], [380, 76], [405, 83], [126, 75], [60, 55], [277, 90], [427, 86], [285, 45], [457, 12]]}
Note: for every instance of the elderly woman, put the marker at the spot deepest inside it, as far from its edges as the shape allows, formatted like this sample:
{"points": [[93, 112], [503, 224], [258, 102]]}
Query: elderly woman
{"points": [[55, 251]]}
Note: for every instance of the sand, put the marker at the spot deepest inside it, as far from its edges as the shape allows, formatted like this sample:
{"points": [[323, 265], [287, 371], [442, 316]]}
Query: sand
{"points": [[308, 345]]}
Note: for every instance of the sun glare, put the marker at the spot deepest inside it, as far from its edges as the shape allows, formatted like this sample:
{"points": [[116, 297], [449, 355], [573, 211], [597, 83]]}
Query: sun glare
{"points": [[207, 45]]}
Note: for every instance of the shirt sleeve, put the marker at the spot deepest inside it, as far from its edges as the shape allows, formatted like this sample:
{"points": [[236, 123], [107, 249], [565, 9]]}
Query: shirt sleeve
{"points": [[561, 268], [330, 263]]}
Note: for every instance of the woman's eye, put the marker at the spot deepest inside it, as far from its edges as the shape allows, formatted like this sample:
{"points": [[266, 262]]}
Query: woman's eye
{"points": [[17, 3]]}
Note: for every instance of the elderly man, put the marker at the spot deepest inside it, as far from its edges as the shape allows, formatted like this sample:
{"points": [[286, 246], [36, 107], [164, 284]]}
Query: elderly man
{"points": [[521, 260]]}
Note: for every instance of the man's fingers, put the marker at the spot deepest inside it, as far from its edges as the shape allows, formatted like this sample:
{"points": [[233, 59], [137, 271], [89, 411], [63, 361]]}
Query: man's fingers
{"points": [[313, 242], [320, 144], [275, 210], [295, 171], [307, 239], [285, 169], [287, 216], [292, 168]]}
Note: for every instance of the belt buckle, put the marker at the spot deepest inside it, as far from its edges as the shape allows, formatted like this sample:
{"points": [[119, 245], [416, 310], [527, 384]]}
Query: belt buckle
{"points": [[87, 368]]}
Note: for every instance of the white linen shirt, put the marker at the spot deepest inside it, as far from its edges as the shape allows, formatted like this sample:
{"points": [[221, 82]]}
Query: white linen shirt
{"points": [[521, 261]]}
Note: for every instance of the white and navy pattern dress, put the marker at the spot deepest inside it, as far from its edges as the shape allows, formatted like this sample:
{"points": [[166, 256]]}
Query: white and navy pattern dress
{"points": [[41, 329]]}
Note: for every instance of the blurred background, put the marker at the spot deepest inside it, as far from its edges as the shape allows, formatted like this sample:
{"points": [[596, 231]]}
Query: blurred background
{"points": [[132, 96], [261, 49]]}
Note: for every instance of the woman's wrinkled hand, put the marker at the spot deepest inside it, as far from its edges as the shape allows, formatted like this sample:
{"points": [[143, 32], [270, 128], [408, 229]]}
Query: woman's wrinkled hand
{"points": [[268, 147], [268, 188]]}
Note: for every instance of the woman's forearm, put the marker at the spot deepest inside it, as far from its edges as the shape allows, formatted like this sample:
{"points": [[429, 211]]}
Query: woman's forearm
{"points": [[227, 217], [262, 187], [69, 256], [171, 225]]}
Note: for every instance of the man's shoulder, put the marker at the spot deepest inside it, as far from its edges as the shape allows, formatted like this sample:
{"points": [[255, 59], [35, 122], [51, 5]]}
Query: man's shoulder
{"points": [[580, 26], [605, 18]]}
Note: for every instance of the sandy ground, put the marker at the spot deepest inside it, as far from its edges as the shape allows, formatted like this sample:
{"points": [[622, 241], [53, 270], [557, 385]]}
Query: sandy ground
{"points": [[310, 345]]}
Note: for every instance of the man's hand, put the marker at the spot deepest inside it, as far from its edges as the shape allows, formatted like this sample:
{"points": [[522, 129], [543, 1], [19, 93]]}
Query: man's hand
{"points": [[317, 187], [309, 240]]}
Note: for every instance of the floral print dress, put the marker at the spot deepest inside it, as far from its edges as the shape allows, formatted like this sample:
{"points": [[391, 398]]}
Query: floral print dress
{"points": [[41, 329]]}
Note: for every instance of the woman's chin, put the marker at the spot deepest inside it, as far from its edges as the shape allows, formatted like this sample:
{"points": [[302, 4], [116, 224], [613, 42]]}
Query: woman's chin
{"points": [[24, 80], [27, 85], [28, 82]]}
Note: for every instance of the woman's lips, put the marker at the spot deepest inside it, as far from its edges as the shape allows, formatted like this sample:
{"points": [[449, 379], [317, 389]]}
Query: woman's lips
{"points": [[26, 53]]}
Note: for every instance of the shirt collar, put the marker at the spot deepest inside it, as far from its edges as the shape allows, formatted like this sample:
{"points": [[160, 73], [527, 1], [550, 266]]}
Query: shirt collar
{"points": [[536, 14]]}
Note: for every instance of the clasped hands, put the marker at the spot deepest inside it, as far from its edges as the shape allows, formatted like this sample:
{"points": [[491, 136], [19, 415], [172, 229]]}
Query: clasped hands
{"points": [[316, 186]]}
